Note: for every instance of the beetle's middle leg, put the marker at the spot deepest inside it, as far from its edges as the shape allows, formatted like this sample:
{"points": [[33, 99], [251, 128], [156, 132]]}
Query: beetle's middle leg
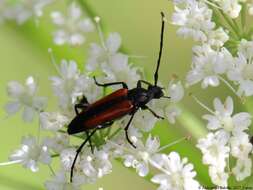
{"points": [[126, 131]]}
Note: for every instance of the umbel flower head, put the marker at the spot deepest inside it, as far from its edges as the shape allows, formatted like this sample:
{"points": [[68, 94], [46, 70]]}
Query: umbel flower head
{"points": [[230, 138], [31, 153], [71, 27], [21, 11], [178, 175], [23, 96]]}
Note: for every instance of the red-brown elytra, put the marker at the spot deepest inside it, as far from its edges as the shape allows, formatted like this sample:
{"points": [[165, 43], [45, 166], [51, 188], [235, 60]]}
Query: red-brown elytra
{"points": [[104, 112]]}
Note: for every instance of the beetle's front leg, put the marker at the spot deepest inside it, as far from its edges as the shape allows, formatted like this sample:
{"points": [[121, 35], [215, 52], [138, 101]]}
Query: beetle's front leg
{"points": [[144, 82], [81, 105], [153, 112]]}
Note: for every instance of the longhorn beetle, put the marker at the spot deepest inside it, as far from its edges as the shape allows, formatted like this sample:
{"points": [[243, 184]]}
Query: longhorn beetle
{"points": [[124, 101]]}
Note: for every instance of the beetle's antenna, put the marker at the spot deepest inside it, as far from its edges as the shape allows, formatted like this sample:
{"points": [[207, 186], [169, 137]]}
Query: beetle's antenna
{"points": [[161, 49]]}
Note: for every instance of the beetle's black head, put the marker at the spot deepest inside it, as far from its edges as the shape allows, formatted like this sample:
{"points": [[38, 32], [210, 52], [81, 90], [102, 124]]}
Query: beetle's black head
{"points": [[156, 91]]}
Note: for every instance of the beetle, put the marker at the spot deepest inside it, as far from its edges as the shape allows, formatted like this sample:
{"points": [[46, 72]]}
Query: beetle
{"points": [[122, 102]]}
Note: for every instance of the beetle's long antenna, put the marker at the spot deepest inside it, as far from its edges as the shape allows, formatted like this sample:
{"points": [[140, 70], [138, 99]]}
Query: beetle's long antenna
{"points": [[161, 50]]}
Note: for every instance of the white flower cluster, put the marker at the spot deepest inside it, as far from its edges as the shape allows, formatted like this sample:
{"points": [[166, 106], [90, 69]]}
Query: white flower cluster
{"points": [[72, 27], [212, 59], [23, 96], [21, 11], [224, 54], [174, 173], [227, 137]]}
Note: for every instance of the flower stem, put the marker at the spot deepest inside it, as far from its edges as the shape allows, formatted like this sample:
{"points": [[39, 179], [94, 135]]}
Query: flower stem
{"points": [[114, 133], [51, 169], [230, 23], [173, 143], [10, 163]]}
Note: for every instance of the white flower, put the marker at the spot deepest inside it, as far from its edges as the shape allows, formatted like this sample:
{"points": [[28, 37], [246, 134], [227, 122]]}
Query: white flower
{"points": [[178, 175], [223, 119], [89, 167], [64, 86], [172, 112], [242, 70], [96, 165], [176, 91], [143, 120], [208, 65], [99, 54], [194, 19], [67, 157], [61, 182], [53, 121], [214, 149], [242, 168], [230, 7], [86, 86], [31, 153], [139, 158], [218, 37], [24, 96], [240, 146], [112, 63], [57, 143], [218, 176], [21, 11], [72, 27]]}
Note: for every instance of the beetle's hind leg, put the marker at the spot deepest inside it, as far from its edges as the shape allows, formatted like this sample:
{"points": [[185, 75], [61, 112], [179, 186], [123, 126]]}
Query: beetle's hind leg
{"points": [[90, 142], [78, 152], [124, 85]]}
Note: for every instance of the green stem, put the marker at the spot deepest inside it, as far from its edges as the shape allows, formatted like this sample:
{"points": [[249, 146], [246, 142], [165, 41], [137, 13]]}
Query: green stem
{"points": [[192, 124], [217, 20], [230, 23], [243, 15], [55, 155], [115, 133]]}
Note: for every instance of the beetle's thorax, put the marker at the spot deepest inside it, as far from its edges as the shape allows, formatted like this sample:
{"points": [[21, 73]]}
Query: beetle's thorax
{"points": [[141, 96]]}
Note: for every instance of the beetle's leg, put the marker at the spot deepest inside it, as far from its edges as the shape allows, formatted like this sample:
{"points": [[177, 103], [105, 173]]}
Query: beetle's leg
{"points": [[153, 112], [126, 130], [124, 85], [78, 151], [144, 82], [90, 142], [81, 105]]}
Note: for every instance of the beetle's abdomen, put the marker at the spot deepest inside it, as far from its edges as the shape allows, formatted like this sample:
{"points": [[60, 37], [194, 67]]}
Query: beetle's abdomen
{"points": [[109, 108], [115, 112]]}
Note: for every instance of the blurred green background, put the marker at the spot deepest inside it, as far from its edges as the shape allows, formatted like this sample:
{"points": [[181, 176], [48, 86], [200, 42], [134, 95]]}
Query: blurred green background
{"points": [[24, 52]]}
